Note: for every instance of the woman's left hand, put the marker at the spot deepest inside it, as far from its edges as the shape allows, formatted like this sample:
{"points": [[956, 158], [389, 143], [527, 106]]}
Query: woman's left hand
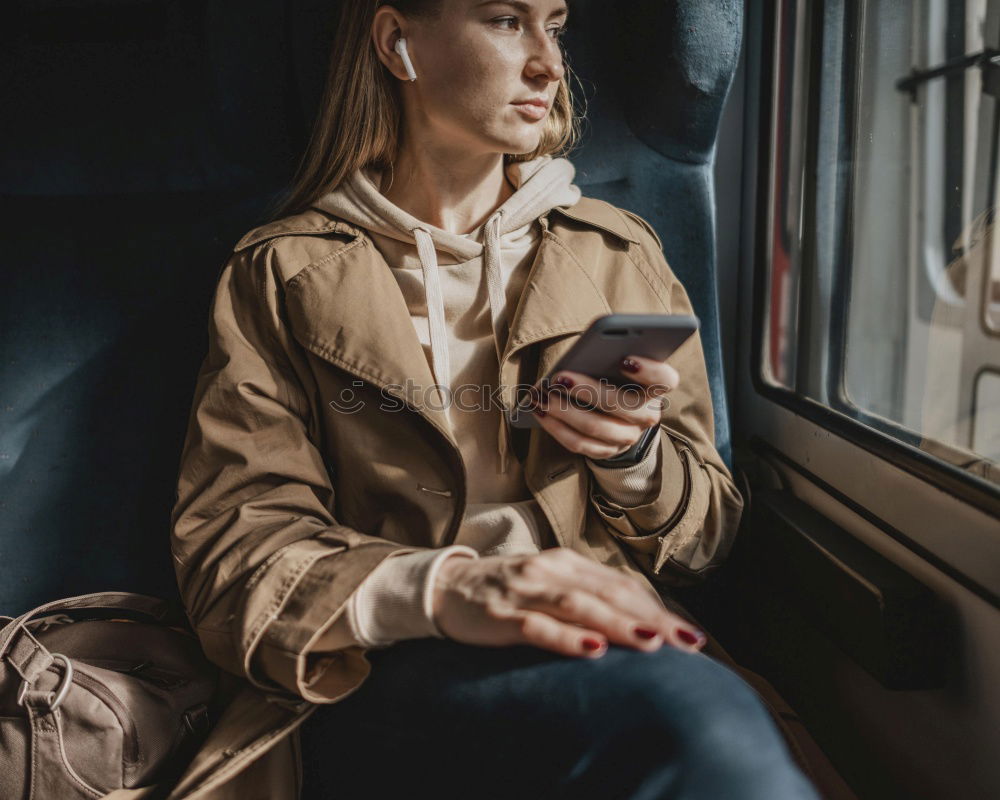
{"points": [[616, 418]]}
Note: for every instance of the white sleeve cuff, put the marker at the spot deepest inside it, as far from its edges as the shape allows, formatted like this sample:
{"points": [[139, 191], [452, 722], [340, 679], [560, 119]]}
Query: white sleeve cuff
{"points": [[395, 601]]}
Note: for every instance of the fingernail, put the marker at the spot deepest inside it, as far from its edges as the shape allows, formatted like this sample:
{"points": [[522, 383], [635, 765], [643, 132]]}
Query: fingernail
{"points": [[562, 380], [592, 644], [644, 633], [630, 365], [690, 637], [536, 406]]}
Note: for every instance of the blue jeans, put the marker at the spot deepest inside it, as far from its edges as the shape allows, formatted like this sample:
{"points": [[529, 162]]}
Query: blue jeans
{"points": [[442, 719]]}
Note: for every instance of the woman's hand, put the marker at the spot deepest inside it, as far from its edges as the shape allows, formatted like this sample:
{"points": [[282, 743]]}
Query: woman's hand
{"points": [[616, 418], [557, 600]]}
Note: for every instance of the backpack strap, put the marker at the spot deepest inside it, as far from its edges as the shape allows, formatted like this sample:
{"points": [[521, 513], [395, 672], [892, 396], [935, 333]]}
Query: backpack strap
{"points": [[22, 652]]}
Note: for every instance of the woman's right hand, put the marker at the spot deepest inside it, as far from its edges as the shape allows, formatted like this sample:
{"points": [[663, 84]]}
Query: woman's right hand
{"points": [[556, 599]]}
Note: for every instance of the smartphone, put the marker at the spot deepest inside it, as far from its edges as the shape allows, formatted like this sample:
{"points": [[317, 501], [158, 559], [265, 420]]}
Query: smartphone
{"points": [[600, 349]]}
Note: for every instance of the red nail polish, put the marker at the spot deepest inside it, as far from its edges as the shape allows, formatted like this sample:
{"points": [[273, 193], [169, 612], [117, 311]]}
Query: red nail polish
{"points": [[592, 644], [690, 637], [645, 633], [630, 365], [564, 381]]}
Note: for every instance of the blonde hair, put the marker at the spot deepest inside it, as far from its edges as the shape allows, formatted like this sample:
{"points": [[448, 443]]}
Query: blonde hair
{"points": [[359, 118]]}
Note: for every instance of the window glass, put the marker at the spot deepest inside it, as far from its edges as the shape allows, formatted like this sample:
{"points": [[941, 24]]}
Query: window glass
{"points": [[883, 297]]}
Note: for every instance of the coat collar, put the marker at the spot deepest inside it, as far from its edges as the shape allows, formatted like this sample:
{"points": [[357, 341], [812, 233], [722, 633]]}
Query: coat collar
{"points": [[588, 210], [602, 215], [349, 310]]}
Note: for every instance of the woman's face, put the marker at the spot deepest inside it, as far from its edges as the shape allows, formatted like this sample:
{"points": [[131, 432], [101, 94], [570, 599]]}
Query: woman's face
{"points": [[477, 64]]}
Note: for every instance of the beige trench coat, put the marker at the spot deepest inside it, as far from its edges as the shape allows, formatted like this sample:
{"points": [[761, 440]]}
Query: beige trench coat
{"points": [[285, 502]]}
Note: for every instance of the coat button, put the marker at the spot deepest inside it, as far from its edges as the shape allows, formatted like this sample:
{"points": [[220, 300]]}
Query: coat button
{"points": [[559, 471]]}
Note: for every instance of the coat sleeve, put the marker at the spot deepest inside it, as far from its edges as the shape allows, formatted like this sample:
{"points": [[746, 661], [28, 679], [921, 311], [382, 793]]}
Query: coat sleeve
{"points": [[689, 525], [263, 567]]}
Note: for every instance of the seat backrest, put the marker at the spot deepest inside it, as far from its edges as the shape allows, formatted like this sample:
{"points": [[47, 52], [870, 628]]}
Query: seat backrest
{"points": [[147, 138], [657, 76]]}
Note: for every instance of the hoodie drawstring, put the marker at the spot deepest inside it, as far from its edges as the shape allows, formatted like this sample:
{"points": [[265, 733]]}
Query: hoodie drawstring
{"points": [[436, 318], [494, 281], [435, 310], [494, 286]]}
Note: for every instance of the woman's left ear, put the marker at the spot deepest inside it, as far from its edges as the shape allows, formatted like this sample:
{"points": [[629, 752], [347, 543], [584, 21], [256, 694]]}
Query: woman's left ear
{"points": [[400, 47]]}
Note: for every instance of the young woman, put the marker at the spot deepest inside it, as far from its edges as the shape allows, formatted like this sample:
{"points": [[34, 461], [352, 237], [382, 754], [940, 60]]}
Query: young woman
{"points": [[358, 526]]}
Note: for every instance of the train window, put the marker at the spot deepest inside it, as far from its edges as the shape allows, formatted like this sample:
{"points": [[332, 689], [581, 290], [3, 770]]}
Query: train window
{"points": [[883, 293]]}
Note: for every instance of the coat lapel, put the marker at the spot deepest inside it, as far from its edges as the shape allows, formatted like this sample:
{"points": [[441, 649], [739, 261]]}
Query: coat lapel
{"points": [[560, 297], [350, 311]]}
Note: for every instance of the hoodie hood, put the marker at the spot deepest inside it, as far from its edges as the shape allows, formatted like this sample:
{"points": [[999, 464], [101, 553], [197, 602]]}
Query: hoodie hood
{"points": [[539, 186]]}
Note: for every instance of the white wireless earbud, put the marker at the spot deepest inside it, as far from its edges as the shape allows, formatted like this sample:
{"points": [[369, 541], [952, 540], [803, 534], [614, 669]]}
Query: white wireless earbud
{"points": [[401, 49]]}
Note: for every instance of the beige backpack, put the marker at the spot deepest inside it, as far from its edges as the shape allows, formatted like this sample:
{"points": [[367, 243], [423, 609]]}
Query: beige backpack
{"points": [[100, 692]]}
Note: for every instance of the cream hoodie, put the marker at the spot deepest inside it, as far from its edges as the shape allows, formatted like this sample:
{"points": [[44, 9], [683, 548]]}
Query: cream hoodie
{"points": [[461, 290]]}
